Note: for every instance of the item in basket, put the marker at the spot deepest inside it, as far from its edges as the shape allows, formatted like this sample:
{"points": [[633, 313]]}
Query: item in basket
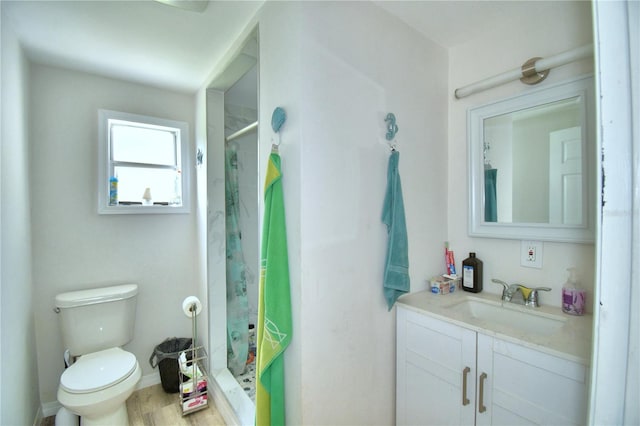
{"points": [[187, 367], [186, 388], [194, 403]]}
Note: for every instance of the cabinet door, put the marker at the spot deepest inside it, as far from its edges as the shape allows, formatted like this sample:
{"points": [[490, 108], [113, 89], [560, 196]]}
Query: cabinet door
{"points": [[434, 358], [527, 387]]}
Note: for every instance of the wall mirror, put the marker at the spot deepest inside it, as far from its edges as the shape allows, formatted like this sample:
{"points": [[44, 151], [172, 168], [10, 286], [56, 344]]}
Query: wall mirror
{"points": [[532, 165]]}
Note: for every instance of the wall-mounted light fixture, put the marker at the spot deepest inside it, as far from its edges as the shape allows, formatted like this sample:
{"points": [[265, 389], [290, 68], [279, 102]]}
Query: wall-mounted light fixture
{"points": [[531, 72]]}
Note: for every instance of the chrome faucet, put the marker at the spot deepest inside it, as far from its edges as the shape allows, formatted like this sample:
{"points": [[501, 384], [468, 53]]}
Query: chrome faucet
{"points": [[511, 291], [530, 296]]}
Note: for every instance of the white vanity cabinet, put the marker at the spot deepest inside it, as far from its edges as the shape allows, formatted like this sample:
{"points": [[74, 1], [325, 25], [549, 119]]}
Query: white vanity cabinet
{"points": [[448, 374]]}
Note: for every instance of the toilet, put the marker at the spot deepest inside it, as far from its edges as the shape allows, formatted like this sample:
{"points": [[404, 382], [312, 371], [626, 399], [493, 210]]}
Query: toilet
{"points": [[95, 323]]}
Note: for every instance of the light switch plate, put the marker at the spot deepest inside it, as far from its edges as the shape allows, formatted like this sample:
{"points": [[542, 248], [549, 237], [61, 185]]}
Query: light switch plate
{"points": [[531, 254]]}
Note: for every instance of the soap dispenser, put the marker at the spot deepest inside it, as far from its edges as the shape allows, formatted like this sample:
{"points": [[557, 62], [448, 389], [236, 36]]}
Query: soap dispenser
{"points": [[573, 297]]}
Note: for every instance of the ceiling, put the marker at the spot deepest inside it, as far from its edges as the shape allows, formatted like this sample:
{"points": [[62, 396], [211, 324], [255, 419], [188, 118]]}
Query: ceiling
{"points": [[142, 41], [453, 22], [153, 43]]}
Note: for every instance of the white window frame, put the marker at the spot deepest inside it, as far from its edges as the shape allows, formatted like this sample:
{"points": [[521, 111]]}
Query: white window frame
{"points": [[104, 163]]}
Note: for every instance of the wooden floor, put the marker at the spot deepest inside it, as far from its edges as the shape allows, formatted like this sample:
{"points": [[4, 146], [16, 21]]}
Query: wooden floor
{"points": [[152, 406]]}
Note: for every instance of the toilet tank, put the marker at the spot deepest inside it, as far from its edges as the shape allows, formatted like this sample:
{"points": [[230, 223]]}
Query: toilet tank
{"points": [[98, 318]]}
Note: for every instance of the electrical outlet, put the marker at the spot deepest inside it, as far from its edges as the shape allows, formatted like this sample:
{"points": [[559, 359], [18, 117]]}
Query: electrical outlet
{"points": [[531, 254]]}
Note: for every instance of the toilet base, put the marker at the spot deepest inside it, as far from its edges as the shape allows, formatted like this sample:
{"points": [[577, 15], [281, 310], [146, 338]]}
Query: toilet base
{"points": [[65, 417], [118, 417]]}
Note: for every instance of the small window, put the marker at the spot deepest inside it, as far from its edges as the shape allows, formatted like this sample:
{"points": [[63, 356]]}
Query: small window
{"points": [[142, 164]]}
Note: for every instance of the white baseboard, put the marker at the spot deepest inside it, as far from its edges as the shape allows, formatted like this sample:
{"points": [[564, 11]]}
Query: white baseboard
{"points": [[39, 417], [148, 380], [51, 408]]}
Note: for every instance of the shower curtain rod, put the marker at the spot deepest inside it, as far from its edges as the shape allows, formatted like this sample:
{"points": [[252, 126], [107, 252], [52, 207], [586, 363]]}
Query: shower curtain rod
{"points": [[251, 127], [540, 66]]}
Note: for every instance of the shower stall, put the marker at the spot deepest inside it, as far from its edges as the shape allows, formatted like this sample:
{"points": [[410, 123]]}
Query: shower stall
{"points": [[232, 222], [242, 223]]}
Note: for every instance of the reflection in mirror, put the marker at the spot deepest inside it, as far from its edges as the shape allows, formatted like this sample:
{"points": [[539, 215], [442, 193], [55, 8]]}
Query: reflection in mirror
{"points": [[530, 155], [529, 161]]}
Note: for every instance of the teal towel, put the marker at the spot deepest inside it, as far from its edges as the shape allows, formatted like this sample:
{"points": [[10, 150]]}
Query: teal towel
{"points": [[396, 268], [490, 198]]}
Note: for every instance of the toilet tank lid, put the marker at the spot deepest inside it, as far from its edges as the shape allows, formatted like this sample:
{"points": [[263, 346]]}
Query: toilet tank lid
{"points": [[96, 295]]}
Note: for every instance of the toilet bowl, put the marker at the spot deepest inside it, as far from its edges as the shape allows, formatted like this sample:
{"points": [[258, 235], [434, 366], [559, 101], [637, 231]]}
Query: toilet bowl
{"points": [[97, 386], [95, 324]]}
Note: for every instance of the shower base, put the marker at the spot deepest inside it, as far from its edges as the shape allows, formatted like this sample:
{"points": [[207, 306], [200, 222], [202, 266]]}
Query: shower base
{"points": [[248, 380]]}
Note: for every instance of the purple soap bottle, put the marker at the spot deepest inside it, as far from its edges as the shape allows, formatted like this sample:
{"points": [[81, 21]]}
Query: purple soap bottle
{"points": [[573, 297]]}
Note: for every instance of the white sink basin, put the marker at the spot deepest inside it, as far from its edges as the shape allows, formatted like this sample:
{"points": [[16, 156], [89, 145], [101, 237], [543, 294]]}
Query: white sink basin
{"points": [[515, 316]]}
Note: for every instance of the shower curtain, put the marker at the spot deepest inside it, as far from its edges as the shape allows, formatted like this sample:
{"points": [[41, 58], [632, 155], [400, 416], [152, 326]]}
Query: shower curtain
{"points": [[490, 197], [237, 301]]}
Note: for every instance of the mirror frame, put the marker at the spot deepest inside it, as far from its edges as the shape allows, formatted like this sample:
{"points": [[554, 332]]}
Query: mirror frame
{"points": [[477, 227]]}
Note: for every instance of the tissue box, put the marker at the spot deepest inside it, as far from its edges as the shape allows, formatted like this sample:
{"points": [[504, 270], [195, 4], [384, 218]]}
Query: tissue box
{"points": [[444, 285]]}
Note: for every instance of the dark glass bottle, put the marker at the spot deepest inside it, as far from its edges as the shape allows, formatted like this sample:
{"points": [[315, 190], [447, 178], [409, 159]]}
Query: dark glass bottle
{"points": [[472, 274]]}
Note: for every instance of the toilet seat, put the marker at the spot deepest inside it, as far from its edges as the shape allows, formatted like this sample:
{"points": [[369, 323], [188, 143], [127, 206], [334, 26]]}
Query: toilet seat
{"points": [[98, 370]]}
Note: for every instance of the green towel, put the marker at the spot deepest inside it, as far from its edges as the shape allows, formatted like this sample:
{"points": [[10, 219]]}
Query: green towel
{"points": [[396, 269], [274, 303]]}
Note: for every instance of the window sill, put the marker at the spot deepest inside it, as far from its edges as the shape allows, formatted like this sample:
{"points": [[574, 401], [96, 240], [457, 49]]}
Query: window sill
{"points": [[138, 208]]}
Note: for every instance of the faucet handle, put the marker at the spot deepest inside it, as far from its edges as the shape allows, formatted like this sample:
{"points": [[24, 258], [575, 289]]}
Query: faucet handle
{"points": [[542, 288], [532, 298], [504, 285]]}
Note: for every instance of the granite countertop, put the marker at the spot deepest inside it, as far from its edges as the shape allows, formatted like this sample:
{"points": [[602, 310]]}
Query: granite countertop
{"points": [[571, 340]]}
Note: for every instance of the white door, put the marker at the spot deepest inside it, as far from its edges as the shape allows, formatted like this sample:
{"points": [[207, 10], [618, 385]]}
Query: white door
{"points": [[565, 177]]}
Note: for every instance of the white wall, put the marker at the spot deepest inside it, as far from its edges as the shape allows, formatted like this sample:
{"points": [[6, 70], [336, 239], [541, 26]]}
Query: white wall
{"points": [[492, 53], [18, 369], [280, 85], [73, 246], [338, 69]]}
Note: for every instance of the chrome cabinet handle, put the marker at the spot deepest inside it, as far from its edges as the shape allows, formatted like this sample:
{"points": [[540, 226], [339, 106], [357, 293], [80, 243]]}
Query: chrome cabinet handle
{"points": [[481, 407], [465, 400]]}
